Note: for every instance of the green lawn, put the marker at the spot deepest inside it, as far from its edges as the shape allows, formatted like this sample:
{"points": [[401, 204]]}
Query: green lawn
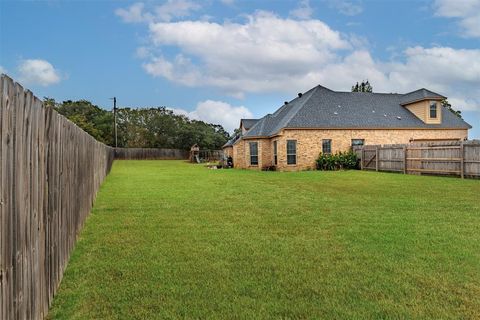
{"points": [[169, 240]]}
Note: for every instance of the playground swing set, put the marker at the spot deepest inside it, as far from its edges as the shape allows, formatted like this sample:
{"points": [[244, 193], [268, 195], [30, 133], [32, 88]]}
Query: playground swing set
{"points": [[201, 156]]}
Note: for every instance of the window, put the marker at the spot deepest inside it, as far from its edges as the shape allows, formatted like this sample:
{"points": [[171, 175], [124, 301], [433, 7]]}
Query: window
{"points": [[358, 142], [254, 153], [326, 146], [291, 152], [275, 159], [433, 109]]}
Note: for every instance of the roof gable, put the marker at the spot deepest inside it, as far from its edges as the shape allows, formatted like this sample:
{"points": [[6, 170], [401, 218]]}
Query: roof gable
{"points": [[248, 123], [420, 94]]}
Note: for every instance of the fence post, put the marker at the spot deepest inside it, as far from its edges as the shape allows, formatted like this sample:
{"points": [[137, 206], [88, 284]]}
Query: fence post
{"points": [[362, 156], [376, 158], [462, 160], [404, 159]]}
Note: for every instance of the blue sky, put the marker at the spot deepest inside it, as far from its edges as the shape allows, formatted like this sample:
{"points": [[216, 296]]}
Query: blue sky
{"points": [[222, 60]]}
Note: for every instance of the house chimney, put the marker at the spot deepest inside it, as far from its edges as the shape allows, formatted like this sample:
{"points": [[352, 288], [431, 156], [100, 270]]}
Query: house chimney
{"points": [[299, 94]]}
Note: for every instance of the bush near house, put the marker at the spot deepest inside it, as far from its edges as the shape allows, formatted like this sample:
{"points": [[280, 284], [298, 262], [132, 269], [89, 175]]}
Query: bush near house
{"points": [[337, 161]]}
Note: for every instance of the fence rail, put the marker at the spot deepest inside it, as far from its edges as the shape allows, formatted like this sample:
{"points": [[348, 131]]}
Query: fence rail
{"points": [[50, 172], [150, 154], [457, 158]]}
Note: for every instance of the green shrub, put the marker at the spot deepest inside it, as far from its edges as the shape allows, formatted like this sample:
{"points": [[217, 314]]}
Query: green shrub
{"points": [[337, 161]]}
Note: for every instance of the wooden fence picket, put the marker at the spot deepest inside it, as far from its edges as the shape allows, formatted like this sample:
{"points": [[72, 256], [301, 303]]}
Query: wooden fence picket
{"points": [[50, 172], [150, 154], [458, 158]]}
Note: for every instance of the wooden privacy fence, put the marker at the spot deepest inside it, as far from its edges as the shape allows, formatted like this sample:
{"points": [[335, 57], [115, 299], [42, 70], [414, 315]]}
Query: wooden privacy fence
{"points": [[50, 172], [150, 154], [459, 158]]}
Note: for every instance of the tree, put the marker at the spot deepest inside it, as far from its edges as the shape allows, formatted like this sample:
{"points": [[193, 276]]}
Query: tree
{"points": [[448, 106], [143, 128], [362, 87], [95, 121], [49, 102], [236, 132]]}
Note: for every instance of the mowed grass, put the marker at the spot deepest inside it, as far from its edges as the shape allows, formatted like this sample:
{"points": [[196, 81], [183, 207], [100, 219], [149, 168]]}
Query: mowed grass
{"points": [[170, 240]]}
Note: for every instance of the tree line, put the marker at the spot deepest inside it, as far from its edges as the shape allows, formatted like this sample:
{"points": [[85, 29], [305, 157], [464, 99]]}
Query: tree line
{"points": [[157, 127]]}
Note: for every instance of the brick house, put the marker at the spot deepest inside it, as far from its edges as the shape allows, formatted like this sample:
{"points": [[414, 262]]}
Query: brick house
{"points": [[323, 120]]}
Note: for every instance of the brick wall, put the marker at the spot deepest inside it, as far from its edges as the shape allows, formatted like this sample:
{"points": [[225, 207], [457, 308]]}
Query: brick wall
{"points": [[239, 154], [228, 151], [309, 144]]}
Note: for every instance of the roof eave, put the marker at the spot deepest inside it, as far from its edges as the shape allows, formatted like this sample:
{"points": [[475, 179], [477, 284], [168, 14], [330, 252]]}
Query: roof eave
{"points": [[381, 128], [263, 137], [467, 127], [422, 99]]}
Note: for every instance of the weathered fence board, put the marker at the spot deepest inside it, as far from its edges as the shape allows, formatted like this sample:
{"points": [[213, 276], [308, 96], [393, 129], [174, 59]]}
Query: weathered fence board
{"points": [[460, 158], [50, 172], [150, 154]]}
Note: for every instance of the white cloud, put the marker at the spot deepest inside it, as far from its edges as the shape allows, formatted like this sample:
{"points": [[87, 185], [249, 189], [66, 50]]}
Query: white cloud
{"points": [[180, 70], [348, 8], [452, 72], [38, 72], [142, 52], [134, 14], [259, 55], [438, 66], [467, 11], [218, 112], [169, 10], [304, 10], [175, 8], [267, 53]]}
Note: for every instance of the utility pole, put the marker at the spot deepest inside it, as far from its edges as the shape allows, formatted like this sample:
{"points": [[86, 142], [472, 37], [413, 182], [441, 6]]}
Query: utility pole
{"points": [[115, 120]]}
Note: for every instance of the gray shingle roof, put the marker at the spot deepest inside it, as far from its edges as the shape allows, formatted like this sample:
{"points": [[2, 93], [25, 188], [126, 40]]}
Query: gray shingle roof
{"points": [[323, 108], [248, 123], [420, 94], [232, 141]]}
